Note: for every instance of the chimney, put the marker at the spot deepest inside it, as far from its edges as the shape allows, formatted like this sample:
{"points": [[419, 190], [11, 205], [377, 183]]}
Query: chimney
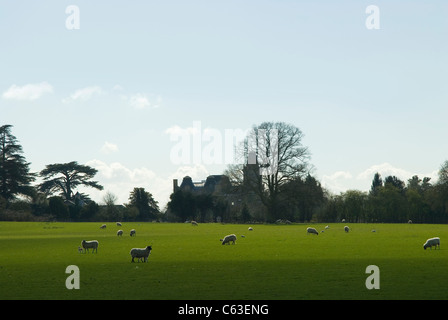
{"points": [[175, 187]]}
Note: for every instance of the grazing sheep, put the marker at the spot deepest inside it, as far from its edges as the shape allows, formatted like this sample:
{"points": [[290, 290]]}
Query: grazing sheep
{"points": [[103, 226], [346, 229], [250, 229], [229, 238], [92, 244], [194, 223], [120, 233], [432, 242], [141, 253], [119, 224], [312, 230], [327, 227], [409, 221], [132, 233], [343, 220]]}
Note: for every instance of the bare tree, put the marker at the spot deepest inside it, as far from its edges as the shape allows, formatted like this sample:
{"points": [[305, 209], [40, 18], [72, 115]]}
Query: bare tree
{"points": [[272, 155]]}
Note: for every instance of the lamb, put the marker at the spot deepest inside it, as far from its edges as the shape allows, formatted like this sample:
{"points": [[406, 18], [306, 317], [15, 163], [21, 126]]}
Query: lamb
{"points": [[346, 229], [141, 253], [92, 244], [120, 233], [229, 238], [132, 233], [312, 230], [432, 242], [80, 250]]}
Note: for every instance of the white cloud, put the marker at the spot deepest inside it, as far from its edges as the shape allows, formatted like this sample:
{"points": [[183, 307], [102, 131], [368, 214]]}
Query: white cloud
{"points": [[28, 92], [84, 94], [337, 182], [386, 169], [141, 100], [121, 180], [109, 148], [341, 181]]}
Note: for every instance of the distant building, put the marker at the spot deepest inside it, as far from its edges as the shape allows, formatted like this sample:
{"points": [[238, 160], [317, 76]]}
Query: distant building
{"points": [[214, 184]]}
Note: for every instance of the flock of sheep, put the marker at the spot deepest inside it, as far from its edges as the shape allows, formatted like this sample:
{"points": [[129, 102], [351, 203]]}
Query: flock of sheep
{"points": [[432, 242], [141, 254]]}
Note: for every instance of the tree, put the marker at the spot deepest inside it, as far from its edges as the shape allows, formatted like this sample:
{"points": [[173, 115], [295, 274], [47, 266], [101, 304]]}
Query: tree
{"points": [[65, 177], [148, 207], [377, 183], [276, 152], [15, 176]]}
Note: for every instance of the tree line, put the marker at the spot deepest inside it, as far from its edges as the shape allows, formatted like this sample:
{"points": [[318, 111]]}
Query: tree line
{"points": [[258, 193], [55, 198]]}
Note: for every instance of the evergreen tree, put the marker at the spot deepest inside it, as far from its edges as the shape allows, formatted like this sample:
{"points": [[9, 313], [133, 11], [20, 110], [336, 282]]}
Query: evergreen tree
{"points": [[15, 176]]}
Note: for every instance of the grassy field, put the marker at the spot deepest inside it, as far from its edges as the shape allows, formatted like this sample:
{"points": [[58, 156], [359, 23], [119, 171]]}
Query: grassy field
{"points": [[187, 262]]}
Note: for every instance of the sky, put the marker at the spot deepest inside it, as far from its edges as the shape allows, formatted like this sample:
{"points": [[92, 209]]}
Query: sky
{"points": [[128, 86]]}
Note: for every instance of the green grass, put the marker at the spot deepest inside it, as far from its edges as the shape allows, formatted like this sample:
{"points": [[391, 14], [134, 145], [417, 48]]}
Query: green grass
{"points": [[187, 262]]}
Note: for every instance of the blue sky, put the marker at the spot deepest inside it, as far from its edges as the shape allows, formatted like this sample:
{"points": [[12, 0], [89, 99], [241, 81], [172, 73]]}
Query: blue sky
{"points": [[111, 93]]}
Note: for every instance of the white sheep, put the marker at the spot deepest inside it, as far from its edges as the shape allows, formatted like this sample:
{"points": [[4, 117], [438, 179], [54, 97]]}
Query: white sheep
{"points": [[312, 230], [327, 227], [250, 229], [120, 233], [132, 233], [432, 242], [141, 253], [346, 229], [92, 244], [119, 224], [103, 226], [194, 223], [229, 238]]}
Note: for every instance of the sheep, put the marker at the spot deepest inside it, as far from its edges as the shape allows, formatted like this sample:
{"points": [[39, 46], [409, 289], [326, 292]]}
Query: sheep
{"points": [[92, 244], [250, 229], [132, 233], [229, 238], [346, 229], [119, 224], [327, 227], [312, 230], [140, 253], [80, 250], [120, 233], [194, 223], [409, 221], [103, 226], [432, 242]]}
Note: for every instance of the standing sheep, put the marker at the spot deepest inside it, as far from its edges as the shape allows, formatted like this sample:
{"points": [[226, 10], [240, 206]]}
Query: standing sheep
{"points": [[432, 242], [229, 238], [103, 226], [120, 233], [119, 224], [346, 229], [194, 223], [92, 244], [312, 230], [132, 233], [141, 253]]}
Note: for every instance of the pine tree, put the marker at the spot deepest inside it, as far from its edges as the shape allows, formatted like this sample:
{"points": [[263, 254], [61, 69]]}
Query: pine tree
{"points": [[15, 176]]}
